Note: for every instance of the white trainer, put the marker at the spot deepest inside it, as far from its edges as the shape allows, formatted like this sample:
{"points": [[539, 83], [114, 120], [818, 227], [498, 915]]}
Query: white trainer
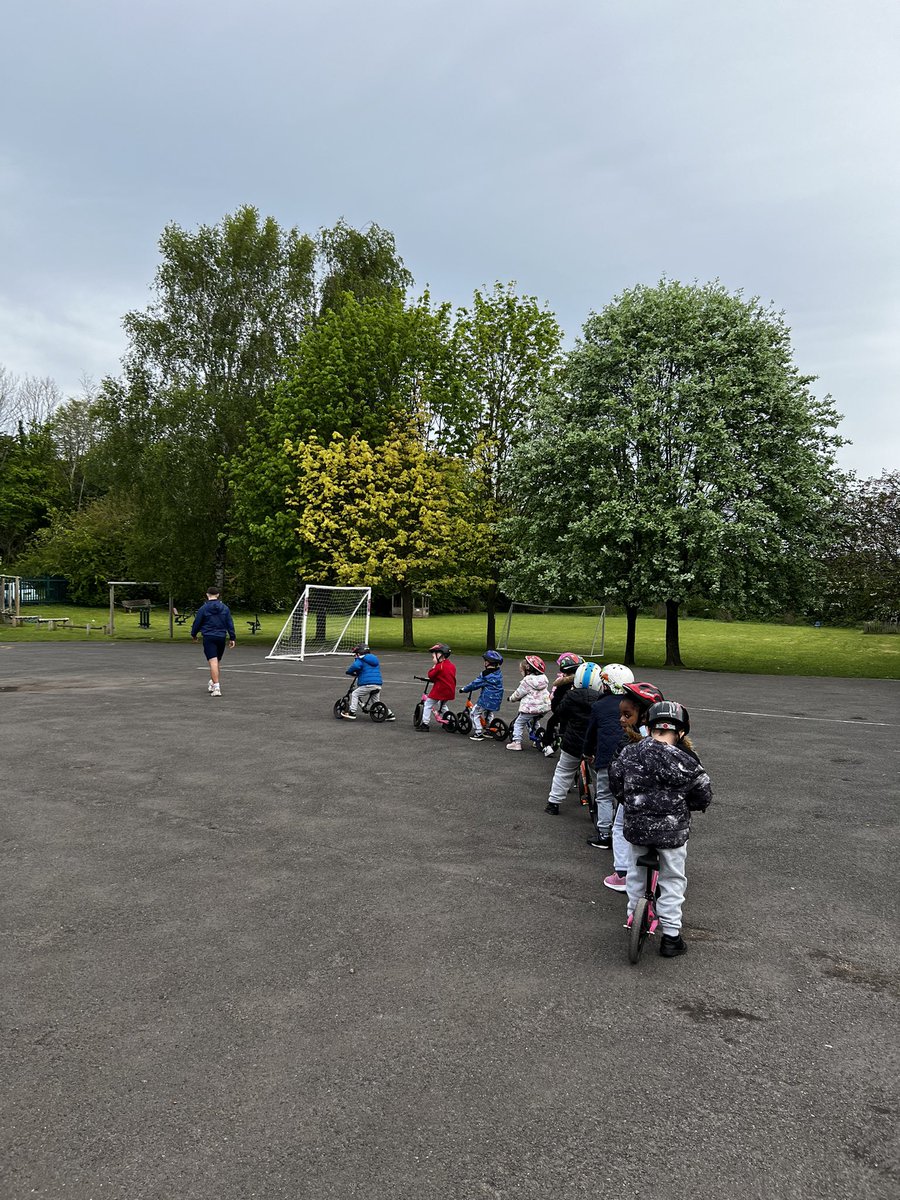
{"points": [[216, 691], [210, 686]]}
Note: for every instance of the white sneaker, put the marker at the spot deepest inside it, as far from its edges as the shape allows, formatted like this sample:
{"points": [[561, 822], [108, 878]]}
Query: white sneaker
{"points": [[216, 690], [514, 746], [210, 686]]}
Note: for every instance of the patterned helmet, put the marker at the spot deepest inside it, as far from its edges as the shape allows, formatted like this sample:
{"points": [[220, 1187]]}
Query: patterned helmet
{"points": [[536, 663], [440, 648], [615, 676], [669, 714], [588, 676], [568, 662]]}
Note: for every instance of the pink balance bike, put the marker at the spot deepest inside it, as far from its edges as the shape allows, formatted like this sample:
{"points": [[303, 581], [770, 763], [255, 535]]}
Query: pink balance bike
{"points": [[644, 921], [442, 715]]}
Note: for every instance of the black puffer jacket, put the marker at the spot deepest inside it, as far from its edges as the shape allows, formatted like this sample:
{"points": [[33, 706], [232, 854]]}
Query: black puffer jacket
{"points": [[573, 714], [660, 786]]}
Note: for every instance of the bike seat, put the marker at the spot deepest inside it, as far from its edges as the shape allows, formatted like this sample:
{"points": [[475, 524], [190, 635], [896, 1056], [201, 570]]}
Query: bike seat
{"points": [[650, 858]]}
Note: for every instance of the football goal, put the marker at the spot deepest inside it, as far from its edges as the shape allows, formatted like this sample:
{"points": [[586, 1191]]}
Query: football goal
{"points": [[550, 629], [325, 620]]}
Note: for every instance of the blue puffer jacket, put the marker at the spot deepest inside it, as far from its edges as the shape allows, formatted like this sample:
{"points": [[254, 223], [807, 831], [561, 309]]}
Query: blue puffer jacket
{"points": [[367, 671], [491, 685], [605, 737]]}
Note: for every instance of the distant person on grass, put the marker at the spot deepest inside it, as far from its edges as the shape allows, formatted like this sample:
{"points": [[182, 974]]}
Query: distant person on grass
{"points": [[214, 622]]}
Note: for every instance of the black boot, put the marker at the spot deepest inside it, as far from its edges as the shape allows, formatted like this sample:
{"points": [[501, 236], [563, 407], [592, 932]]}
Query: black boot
{"points": [[670, 946]]}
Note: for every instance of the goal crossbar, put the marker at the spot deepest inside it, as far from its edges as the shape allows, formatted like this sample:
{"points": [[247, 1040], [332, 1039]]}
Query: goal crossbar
{"points": [[579, 628]]}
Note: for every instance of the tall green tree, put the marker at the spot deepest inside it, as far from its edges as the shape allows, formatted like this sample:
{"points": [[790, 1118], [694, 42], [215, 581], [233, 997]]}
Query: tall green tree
{"points": [[364, 367], [507, 351], [363, 263], [230, 301], [397, 516], [863, 564], [696, 461], [31, 487]]}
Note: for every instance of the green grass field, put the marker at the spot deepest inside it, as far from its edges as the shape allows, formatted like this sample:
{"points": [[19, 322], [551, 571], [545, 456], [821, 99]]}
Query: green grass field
{"points": [[705, 645]]}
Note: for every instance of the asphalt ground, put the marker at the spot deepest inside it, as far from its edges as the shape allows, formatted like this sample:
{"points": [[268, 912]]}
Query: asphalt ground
{"points": [[251, 951]]}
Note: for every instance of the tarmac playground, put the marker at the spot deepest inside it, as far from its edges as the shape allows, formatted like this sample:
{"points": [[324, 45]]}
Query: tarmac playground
{"points": [[251, 951]]}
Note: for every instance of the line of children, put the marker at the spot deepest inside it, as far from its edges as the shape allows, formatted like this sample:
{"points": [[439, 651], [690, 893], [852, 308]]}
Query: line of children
{"points": [[637, 742]]}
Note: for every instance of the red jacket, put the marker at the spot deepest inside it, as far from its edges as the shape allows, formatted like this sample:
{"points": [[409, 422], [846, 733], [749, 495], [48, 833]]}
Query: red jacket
{"points": [[443, 680]]}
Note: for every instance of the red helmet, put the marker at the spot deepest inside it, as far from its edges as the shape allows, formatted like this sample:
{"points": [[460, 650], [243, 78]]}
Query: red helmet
{"points": [[440, 648], [644, 694], [536, 663]]}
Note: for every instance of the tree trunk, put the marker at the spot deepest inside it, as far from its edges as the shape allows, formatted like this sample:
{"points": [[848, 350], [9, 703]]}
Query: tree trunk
{"points": [[631, 616], [673, 653], [491, 637], [406, 609], [219, 567]]}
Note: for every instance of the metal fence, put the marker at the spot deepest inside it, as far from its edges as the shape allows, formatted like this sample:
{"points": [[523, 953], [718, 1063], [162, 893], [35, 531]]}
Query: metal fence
{"points": [[46, 589]]}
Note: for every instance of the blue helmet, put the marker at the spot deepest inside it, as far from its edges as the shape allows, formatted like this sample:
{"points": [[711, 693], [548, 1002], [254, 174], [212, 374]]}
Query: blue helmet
{"points": [[492, 657]]}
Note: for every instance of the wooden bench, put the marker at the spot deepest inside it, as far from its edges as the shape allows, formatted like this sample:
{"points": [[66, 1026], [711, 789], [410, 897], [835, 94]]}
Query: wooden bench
{"points": [[50, 622]]}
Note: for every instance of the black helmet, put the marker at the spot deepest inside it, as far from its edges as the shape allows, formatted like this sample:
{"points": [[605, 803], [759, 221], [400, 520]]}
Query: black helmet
{"points": [[440, 648], [359, 650], [493, 657], [669, 714]]}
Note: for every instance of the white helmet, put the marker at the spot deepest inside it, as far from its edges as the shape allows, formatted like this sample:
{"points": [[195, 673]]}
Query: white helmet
{"points": [[615, 676], [588, 676]]}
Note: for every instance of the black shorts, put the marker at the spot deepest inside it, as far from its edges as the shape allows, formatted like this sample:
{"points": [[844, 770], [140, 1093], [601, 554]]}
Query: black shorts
{"points": [[213, 647]]}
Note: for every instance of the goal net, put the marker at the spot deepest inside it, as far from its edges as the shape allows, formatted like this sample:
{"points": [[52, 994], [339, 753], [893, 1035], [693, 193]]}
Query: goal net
{"points": [[325, 620], [549, 629]]}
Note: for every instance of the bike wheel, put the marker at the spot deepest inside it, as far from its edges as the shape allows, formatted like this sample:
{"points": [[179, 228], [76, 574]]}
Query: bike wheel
{"points": [[417, 715], [378, 712], [498, 729], [637, 934], [450, 722], [464, 723], [340, 707]]}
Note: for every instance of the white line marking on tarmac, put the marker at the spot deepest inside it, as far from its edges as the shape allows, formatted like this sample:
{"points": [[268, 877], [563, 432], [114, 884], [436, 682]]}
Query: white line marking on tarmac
{"points": [[737, 712], [314, 675]]}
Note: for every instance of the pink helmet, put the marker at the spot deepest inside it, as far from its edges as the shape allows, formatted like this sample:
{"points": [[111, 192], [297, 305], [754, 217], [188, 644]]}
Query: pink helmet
{"points": [[568, 662]]}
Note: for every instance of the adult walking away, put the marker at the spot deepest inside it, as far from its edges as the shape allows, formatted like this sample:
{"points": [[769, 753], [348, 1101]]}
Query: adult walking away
{"points": [[213, 621]]}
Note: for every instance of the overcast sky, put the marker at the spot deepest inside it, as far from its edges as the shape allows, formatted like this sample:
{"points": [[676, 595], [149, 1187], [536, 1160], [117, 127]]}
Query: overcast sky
{"points": [[577, 148]]}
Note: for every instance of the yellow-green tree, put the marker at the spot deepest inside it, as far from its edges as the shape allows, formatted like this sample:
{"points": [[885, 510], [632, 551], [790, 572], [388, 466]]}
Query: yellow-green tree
{"points": [[395, 516]]}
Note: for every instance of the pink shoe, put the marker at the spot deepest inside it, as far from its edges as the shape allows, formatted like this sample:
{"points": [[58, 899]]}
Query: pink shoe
{"points": [[514, 746], [615, 882]]}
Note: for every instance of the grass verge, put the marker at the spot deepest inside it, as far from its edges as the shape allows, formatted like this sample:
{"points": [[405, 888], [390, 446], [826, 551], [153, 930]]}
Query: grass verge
{"points": [[705, 645]]}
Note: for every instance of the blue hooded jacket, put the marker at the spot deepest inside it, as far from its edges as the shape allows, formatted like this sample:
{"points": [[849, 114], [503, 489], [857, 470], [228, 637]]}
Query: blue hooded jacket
{"points": [[367, 669], [604, 737], [213, 619], [491, 685]]}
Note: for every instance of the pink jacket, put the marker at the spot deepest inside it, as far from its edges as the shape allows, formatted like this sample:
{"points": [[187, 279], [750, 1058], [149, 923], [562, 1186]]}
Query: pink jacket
{"points": [[533, 694]]}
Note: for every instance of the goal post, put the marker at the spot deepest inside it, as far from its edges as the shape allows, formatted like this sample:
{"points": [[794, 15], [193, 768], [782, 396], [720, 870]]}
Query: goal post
{"points": [[325, 620], [553, 628]]}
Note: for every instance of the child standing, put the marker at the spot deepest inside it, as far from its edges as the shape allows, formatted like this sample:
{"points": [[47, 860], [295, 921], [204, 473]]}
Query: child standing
{"points": [[489, 685], [533, 694], [573, 714], [443, 683], [659, 785], [636, 701], [367, 669], [567, 664], [602, 742]]}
